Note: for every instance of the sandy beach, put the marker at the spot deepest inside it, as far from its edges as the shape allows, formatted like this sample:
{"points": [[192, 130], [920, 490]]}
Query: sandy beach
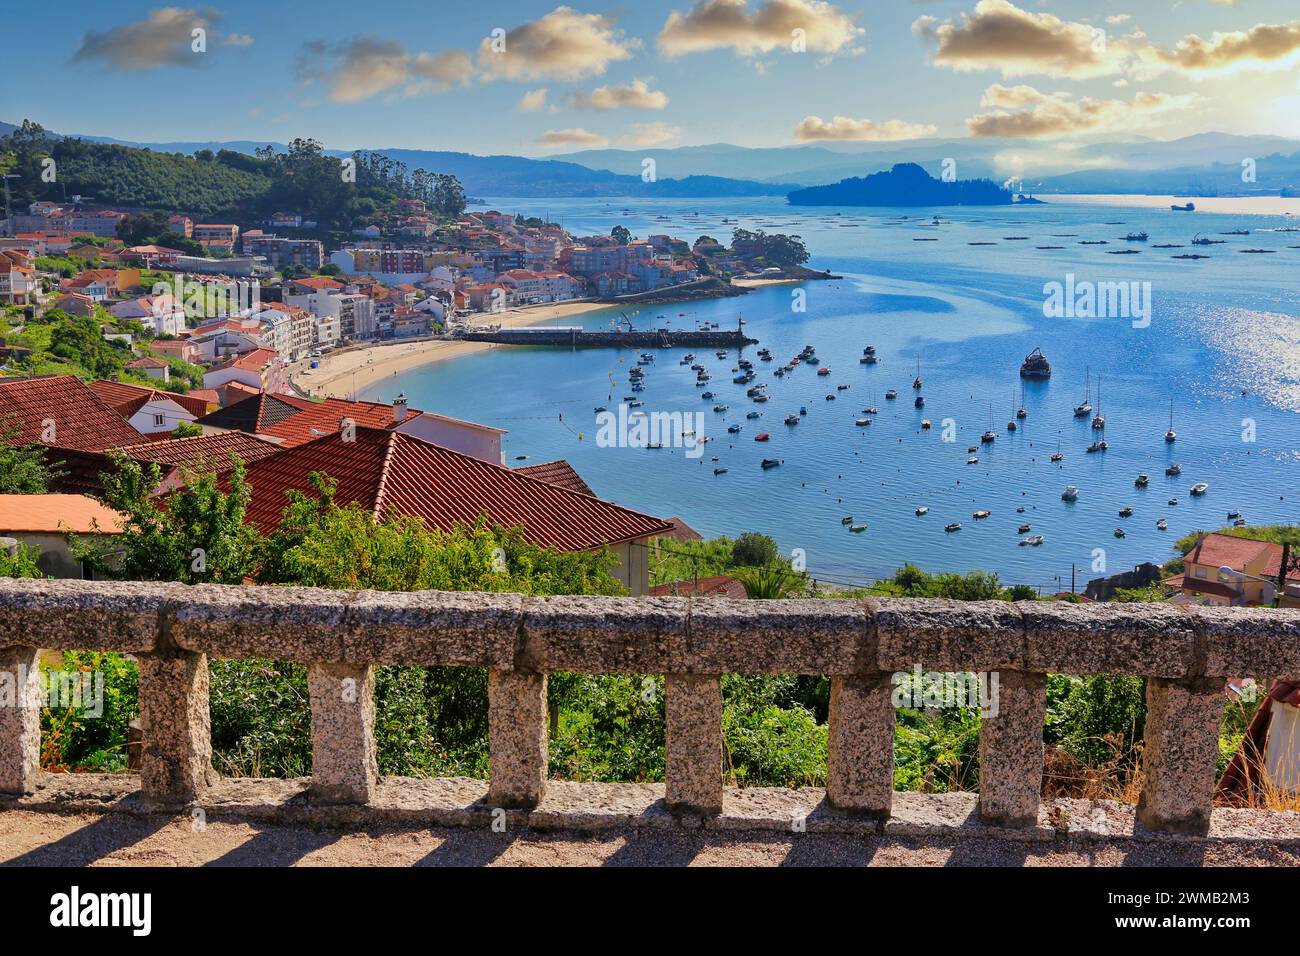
{"points": [[344, 373]]}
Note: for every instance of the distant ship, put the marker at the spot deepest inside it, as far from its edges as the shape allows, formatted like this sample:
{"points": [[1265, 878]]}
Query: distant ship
{"points": [[1035, 365], [1185, 207]]}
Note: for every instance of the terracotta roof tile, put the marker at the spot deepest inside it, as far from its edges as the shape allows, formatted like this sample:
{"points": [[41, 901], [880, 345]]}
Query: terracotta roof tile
{"points": [[391, 472], [559, 473], [81, 419]]}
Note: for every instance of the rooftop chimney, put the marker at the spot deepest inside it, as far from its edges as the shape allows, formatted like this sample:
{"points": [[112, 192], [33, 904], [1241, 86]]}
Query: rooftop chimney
{"points": [[399, 409]]}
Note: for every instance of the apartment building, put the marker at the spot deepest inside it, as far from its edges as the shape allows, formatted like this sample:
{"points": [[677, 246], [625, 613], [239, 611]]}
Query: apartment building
{"points": [[280, 252]]}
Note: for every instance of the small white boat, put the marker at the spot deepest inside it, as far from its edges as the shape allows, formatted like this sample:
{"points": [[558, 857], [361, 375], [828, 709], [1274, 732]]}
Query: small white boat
{"points": [[980, 515], [1070, 493], [1162, 524], [1200, 488], [1033, 541], [923, 510]]}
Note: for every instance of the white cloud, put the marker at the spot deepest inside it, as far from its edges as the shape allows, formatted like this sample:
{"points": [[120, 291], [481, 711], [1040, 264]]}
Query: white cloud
{"points": [[563, 45], [1059, 114], [572, 137], [534, 101], [637, 95], [814, 128], [729, 24], [653, 134]]}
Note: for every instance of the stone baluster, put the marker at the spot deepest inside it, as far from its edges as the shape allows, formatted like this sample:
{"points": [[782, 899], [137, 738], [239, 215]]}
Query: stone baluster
{"points": [[860, 745], [693, 743], [20, 719], [176, 763], [344, 767], [1180, 753], [517, 738], [1011, 747]]}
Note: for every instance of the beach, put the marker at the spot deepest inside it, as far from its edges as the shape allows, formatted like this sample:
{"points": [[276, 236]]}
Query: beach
{"points": [[348, 372]]}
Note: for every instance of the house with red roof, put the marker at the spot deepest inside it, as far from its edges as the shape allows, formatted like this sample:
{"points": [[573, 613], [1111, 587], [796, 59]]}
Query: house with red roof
{"points": [[148, 410], [260, 369], [716, 586], [1223, 570], [391, 473], [61, 411]]}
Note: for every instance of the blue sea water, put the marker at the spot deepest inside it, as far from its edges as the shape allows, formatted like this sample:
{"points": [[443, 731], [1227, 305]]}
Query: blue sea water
{"points": [[1223, 345]]}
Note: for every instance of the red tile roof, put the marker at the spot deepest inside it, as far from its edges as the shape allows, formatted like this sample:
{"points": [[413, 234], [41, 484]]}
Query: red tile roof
{"points": [[1225, 550], [212, 452], [1201, 587], [559, 473], [81, 419], [718, 586], [254, 360], [129, 398], [679, 530], [391, 472]]}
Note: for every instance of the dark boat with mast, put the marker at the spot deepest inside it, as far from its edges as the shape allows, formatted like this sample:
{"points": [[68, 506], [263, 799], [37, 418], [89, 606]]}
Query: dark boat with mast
{"points": [[1084, 409], [1171, 436], [916, 382], [1098, 420], [1036, 366]]}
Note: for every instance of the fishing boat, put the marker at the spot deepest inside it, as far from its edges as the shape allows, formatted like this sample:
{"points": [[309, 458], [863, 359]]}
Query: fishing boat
{"points": [[1199, 240], [760, 398], [868, 360], [1239, 523], [1119, 532], [824, 371], [601, 408], [1199, 489], [916, 382], [989, 436], [980, 515], [1174, 470], [862, 422], [1171, 436], [721, 353], [919, 403], [1070, 493], [1084, 408], [925, 424], [1096, 447], [1033, 541], [707, 396], [719, 471], [636, 404], [921, 511], [1025, 529], [972, 460], [1126, 512], [734, 429], [1162, 524], [847, 520], [1185, 207], [1136, 237], [841, 388], [954, 526], [1234, 515], [857, 528], [830, 398], [891, 395], [1141, 481], [1035, 366], [1056, 455], [770, 463], [720, 408], [762, 436], [869, 350]]}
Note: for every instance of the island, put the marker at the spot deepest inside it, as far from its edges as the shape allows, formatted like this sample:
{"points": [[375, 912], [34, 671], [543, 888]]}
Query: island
{"points": [[907, 184]]}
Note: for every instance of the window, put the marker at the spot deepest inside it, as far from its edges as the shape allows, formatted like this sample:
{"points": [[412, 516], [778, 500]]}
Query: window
{"points": [[1200, 572], [159, 420]]}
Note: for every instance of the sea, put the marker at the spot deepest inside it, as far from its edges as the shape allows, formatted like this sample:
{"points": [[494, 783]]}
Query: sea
{"points": [[962, 294]]}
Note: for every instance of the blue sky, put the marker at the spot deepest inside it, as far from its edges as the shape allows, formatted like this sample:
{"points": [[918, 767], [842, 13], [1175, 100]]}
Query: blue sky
{"points": [[415, 74]]}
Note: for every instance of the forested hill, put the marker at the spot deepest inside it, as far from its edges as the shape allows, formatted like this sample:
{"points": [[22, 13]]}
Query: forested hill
{"points": [[300, 178], [907, 184]]}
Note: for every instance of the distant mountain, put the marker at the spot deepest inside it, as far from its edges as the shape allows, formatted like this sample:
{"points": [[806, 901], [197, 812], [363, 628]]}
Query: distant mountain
{"points": [[510, 176], [824, 163], [1272, 174], [907, 184]]}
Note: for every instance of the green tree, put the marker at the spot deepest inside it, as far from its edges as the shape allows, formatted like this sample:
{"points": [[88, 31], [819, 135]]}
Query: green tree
{"points": [[754, 550], [621, 234], [24, 469]]}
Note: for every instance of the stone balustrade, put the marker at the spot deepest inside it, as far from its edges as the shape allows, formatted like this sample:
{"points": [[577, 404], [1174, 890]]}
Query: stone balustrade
{"points": [[1185, 654]]}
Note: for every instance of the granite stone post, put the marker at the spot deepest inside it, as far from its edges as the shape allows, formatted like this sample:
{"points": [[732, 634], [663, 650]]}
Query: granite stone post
{"points": [[176, 762], [693, 739], [344, 766], [1011, 748], [860, 744], [20, 719], [1180, 753], [517, 738]]}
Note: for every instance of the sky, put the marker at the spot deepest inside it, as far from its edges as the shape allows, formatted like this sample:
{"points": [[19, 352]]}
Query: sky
{"points": [[540, 78]]}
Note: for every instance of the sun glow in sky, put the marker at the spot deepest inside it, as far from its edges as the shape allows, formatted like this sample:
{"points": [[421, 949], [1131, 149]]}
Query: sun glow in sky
{"points": [[539, 78]]}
